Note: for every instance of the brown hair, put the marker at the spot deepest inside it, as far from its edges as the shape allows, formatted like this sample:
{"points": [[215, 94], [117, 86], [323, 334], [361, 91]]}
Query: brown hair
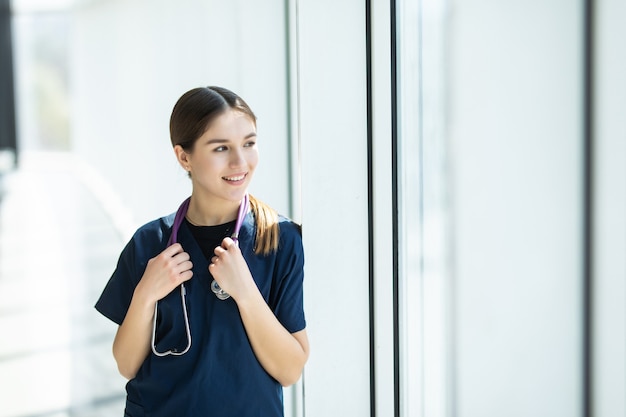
{"points": [[192, 115]]}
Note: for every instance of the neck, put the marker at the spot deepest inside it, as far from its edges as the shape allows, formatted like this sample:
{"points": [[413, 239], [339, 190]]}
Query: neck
{"points": [[204, 212]]}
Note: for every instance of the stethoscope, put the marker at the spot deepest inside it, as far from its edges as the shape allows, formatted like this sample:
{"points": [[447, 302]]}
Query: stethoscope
{"points": [[219, 293]]}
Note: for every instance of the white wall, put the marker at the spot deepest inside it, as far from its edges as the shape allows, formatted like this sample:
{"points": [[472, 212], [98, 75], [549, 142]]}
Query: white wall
{"points": [[131, 61], [515, 120]]}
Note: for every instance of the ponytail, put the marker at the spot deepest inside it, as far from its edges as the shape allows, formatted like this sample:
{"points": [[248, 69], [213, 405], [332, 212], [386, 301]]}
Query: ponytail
{"points": [[266, 239]]}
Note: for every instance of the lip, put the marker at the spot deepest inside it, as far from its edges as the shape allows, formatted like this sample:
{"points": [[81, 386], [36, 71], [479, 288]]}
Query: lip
{"points": [[236, 179]]}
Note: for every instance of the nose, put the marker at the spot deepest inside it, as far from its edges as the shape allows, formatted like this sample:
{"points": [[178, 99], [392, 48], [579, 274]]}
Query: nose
{"points": [[236, 158]]}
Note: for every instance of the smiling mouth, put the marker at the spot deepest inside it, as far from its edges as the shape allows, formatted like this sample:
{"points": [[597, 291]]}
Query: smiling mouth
{"points": [[235, 178]]}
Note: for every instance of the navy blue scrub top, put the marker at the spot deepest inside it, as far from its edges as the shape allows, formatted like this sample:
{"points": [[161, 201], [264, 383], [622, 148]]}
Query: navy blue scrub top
{"points": [[219, 375]]}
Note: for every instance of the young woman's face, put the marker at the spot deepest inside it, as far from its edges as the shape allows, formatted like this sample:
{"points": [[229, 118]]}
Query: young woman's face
{"points": [[224, 157]]}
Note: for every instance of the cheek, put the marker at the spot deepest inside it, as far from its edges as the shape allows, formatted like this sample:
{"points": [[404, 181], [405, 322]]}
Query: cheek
{"points": [[253, 160], [214, 162]]}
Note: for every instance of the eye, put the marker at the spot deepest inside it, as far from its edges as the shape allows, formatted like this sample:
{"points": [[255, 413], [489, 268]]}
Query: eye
{"points": [[249, 144], [220, 149]]}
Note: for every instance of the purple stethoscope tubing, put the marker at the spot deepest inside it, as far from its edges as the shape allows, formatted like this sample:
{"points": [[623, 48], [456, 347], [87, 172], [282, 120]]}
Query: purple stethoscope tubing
{"points": [[221, 294]]}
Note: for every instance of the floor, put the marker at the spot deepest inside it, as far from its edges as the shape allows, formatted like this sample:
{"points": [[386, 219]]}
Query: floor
{"points": [[58, 247]]}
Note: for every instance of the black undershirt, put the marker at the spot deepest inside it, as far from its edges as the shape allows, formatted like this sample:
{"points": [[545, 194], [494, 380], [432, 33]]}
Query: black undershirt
{"points": [[210, 237]]}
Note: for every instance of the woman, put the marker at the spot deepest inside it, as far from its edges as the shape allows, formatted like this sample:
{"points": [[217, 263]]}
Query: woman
{"points": [[226, 341]]}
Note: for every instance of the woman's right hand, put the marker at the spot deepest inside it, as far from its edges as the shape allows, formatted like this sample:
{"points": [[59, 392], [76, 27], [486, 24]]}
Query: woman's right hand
{"points": [[165, 272]]}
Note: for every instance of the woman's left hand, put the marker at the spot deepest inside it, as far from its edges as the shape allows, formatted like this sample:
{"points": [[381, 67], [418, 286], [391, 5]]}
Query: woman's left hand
{"points": [[230, 270]]}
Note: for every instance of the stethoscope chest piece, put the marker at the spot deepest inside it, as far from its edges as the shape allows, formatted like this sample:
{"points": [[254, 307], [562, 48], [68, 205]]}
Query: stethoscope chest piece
{"points": [[218, 291], [241, 214]]}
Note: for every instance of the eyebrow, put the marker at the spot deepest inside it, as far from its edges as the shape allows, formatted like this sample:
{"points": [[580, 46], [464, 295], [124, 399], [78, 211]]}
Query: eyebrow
{"points": [[220, 140]]}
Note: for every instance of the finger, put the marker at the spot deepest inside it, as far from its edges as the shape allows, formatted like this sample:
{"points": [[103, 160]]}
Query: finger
{"points": [[186, 275], [184, 266], [228, 243], [167, 257], [173, 250], [181, 257]]}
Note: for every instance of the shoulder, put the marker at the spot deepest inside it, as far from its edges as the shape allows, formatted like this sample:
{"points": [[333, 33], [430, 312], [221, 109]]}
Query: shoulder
{"points": [[151, 237], [288, 226], [158, 229], [290, 233]]}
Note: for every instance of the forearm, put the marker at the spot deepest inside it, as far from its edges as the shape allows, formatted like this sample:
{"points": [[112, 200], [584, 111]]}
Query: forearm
{"points": [[132, 341], [281, 353]]}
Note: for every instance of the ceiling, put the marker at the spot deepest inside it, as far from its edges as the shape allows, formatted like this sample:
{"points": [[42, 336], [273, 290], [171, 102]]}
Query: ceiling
{"points": [[35, 6]]}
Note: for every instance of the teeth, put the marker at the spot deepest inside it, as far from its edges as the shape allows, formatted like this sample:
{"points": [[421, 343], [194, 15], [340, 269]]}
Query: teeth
{"points": [[239, 178]]}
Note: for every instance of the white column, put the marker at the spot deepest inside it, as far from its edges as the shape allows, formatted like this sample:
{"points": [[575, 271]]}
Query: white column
{"points": [[332, 102]]}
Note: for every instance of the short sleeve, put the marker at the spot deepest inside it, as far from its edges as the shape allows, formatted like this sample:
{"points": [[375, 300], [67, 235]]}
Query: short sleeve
{"points": [[289, 300], [117, 294], [147, 242]]}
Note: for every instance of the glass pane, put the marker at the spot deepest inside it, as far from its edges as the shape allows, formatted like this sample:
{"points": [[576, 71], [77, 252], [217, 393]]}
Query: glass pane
{"points": [[424, 277]]}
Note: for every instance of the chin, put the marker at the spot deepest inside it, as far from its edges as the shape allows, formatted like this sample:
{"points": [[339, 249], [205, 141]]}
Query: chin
{"points": [[237, 196]]}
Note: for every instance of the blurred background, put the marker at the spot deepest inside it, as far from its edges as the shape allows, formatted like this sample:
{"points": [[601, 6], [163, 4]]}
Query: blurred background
{"points": [[458, 168]]}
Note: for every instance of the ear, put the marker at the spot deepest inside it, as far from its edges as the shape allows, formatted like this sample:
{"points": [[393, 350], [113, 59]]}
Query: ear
{"points": [[183, 158]]}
